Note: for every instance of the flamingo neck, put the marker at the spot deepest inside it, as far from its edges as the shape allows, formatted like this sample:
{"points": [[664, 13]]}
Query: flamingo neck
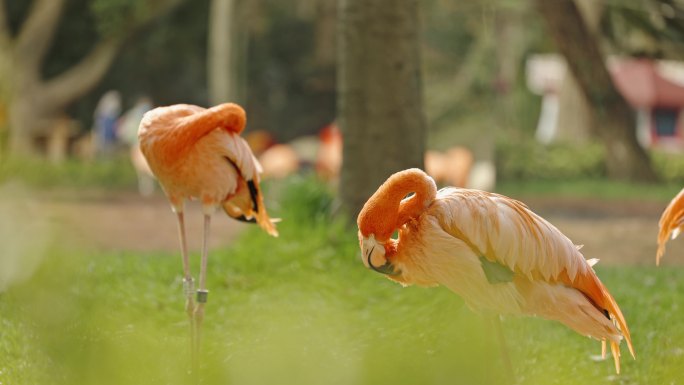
{"points": [[388, 209], [413, 206]]}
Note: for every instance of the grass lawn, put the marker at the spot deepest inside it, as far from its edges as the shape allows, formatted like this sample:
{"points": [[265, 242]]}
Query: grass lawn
{"points": [[302, 309], [590, 188]]}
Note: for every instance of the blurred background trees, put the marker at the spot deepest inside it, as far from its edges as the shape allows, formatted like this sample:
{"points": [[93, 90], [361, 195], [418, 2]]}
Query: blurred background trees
{"points": [[612, 121], [35, 94], [279, 59]]}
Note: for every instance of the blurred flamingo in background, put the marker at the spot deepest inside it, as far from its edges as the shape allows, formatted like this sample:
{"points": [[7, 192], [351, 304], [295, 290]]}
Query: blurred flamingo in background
{"points": [[491, 250], [198, 153], [671, 223], [329, 156], [451, 167], [279, 161], [259, 141], [457, 167]]}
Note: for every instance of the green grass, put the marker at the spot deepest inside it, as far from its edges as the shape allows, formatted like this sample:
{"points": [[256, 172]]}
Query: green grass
{"points": [[302, 309], [592, 188], [116, 172]]}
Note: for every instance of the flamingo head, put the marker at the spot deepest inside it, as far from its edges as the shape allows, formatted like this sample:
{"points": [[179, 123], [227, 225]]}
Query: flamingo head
{"points": [[374, 255], [386, 211], [377, 221]]}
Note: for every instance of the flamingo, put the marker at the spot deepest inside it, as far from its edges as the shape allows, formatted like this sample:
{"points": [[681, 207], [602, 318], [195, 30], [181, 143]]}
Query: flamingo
{"points": [[671, 223], [279, 161], [197, 153], [329, 156], [492, 250]]}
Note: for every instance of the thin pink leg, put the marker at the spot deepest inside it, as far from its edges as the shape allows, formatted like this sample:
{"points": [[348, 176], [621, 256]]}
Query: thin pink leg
{"points": [[202, 292], [205, 246], [188, 285]]}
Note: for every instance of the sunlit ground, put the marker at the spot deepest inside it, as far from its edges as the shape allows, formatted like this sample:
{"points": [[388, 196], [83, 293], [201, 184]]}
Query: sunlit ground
{"points": [[302, 309]]}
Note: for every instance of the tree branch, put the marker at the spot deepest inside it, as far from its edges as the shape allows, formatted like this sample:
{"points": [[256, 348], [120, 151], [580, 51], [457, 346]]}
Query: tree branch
{"points": [[80, 78], [65, 88], [4, 27], [37, 32]]}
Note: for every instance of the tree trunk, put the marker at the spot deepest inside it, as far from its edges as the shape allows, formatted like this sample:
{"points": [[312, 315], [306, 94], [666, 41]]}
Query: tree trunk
{"points": [[574, 114], [325, 28], [227, 50], [614, 120], [380, 106]]}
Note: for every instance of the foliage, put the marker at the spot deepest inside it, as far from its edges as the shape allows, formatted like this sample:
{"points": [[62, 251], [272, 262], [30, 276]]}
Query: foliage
{"points": [[527, 160], [303, 198], [589, 188], [115, 16], [302, 309], [653, 28], [670, 166], [530, 160], [111, 173]]}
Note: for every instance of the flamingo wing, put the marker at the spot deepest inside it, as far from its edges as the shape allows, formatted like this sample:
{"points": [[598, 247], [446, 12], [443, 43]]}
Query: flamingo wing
{"points": [[505, 232], [671, 223], [248, 203]]}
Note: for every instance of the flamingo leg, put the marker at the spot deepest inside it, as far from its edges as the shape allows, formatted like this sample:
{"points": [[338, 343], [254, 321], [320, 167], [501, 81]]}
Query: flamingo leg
{"points": [[202, 292], [503, 347], [188, 283]]}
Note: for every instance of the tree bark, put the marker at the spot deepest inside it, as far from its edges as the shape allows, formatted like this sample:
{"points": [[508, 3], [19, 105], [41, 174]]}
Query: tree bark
{"points": [[380, 106], [614, 121], [574, 114], [75, 82], [227, 44], [325, 28], [37, 33]]}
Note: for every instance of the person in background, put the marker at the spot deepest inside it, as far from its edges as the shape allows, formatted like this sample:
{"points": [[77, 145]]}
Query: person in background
{"points": [[128, 133], [105, 119]]}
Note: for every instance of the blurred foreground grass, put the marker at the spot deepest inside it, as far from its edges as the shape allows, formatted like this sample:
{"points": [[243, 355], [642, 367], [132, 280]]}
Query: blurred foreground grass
{"points": [[302, 309]]}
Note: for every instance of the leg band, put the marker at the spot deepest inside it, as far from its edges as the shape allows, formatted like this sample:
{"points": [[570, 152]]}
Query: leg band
{"points": [[202, 296], [188, 286]]}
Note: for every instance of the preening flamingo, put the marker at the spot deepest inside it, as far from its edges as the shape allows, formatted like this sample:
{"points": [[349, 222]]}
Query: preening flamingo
{"points": [[671, 223], [491, 250], [198, 153]]}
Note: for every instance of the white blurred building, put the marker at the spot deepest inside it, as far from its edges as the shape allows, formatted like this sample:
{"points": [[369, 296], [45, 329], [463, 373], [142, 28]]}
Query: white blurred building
{"points": [[655, 89]]}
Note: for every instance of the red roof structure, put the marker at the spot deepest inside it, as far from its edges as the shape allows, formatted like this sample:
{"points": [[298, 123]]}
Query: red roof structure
{"points": [[639, 82]]}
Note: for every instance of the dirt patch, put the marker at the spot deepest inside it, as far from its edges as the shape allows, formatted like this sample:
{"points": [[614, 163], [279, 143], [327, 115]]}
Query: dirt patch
{"points": [[128, 221], [616, 232]]}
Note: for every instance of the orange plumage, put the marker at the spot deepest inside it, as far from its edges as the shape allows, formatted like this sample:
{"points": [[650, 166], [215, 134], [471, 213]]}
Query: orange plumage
{"points": [[198, 153], [491, 250], [329, 156], [671, 223]]}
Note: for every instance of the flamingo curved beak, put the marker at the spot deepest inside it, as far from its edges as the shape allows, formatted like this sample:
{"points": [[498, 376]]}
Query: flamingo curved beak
{"points": [[373, 256]]}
